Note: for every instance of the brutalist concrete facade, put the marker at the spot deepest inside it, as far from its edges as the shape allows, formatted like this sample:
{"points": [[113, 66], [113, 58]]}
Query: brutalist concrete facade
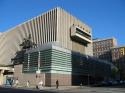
{"points": [[52, 26]]}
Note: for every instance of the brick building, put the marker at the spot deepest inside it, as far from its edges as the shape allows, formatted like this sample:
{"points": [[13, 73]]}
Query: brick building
{"points": [[118, 58], [102, 47]]}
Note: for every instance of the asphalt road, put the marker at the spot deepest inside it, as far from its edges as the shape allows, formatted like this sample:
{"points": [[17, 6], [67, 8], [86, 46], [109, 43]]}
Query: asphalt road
{"points": [[12, 90], [79, 90]]}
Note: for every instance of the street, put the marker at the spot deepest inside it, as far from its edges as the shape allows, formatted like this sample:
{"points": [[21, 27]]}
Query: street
{"points": [[13, 90], [76, 90]]}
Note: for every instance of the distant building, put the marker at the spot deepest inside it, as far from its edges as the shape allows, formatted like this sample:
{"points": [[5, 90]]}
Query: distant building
{"points": [[102, 47], [6, 73], [118, 58]]}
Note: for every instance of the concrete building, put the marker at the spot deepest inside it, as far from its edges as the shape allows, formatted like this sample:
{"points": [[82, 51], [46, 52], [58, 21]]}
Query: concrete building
{"points": [[102, 47], [118, 58], [5, 73], [51, 26], [62, 51]]}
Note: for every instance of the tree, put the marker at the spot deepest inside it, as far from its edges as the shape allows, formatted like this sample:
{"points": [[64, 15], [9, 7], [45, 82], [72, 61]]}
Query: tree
{"points": [[114, 72]]}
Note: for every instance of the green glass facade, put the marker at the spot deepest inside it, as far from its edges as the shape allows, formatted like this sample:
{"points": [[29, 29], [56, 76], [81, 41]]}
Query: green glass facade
{"points": [[51, 61], [61, 62], [30, 63], [58, 60], [87, 65], [45, 60], [55, 61]]}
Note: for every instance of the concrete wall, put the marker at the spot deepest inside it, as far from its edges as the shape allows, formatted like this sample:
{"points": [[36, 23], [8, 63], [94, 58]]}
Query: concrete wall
{"points": [[64, 79], [48, 79], [1, 77], [24, 77], [42, 29], [64, 23], [52, 26]]}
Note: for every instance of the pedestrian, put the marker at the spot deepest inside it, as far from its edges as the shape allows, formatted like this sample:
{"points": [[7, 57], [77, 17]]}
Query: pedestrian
{"points": [[40, 84], [28, 83], [57, 84], [11, 82], [37, 87], [81, 85], [16, 82]]}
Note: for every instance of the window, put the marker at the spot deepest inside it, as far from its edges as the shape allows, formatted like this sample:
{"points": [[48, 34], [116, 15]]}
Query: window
{"points": [[83, 33]]}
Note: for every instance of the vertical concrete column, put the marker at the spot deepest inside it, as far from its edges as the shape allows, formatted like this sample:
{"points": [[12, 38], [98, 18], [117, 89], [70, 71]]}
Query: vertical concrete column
{"points": [[1, 77]]}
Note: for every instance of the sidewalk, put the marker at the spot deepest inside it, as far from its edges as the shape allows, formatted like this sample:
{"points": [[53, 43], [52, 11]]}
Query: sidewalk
{"points": [[53, 88], [60, 88]]}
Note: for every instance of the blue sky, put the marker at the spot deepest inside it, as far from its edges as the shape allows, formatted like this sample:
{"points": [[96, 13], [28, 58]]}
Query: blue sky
{"points": [[105, 17]]}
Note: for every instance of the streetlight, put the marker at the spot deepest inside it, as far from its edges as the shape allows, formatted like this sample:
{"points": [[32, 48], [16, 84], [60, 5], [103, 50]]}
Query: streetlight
{"points": [[88, 69], [38, 66], [38, 72]]}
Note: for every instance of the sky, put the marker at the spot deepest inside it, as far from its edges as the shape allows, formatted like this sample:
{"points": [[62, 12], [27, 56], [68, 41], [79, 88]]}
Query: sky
{"points": [[105, 17]]}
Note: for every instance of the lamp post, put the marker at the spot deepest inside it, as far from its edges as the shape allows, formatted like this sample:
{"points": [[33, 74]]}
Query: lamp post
{"points": [[38, 66], [38, 72], [88, 69]]}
